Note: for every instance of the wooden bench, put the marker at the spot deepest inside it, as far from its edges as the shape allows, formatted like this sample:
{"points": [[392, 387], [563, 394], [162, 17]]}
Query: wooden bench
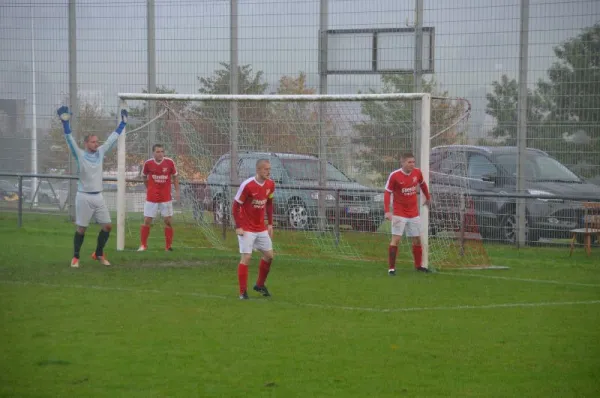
{"points": [[591, 227]]}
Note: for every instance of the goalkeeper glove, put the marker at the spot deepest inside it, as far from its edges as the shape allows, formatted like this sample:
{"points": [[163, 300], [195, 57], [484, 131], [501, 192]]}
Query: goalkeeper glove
{"points": [[124, 116], [63, 113]]}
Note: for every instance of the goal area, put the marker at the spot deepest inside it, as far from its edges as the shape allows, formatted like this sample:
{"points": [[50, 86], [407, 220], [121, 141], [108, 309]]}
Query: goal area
{"points": [[330, 157]]}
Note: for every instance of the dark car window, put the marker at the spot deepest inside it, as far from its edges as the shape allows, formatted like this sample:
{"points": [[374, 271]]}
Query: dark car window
{"points": [[247, 168], [223, 167], [480, 166], [538, 168], [454, 163], [308, 170]]}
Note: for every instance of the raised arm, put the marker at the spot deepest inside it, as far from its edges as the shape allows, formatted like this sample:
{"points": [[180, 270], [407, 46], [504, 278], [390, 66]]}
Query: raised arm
{"points": [[65, 115], [112, 139]]}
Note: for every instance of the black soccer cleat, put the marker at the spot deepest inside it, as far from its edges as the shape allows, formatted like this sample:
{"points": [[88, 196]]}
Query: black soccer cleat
{"points": [[423, 269], [244, 296], [262, 290], [392, 272], [169, 249]]}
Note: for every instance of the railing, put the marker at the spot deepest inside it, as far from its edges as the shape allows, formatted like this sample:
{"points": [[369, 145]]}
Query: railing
{"points": [[548, 217]]}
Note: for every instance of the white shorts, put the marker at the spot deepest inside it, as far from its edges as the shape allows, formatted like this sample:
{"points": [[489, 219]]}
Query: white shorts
{"points": [[412, 226], [151, 209], [255, 240], [90, 206]]}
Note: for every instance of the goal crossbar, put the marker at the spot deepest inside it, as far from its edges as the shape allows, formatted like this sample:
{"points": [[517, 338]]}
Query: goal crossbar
{"points": [[274, 97], [424, 124]]}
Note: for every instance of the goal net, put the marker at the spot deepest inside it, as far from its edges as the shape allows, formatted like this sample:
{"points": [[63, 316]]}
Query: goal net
{"points": [[330, 156]]}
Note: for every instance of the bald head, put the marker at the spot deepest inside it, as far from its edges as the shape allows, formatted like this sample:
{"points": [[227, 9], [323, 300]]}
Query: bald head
{"points": [[263, 169]]}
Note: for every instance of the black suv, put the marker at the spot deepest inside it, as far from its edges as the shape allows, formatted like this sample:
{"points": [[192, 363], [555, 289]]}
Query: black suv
{"points": [[296, 204], [459, 169]]}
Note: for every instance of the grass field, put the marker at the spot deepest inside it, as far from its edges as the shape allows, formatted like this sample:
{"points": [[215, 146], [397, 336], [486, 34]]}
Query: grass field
{"points": [[160, 324]]}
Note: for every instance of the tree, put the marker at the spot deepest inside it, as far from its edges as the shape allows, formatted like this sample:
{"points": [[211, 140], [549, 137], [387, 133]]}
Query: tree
{"points": [[387, 126], [293, 126], [503, 106], [574, 80], [176, 130], [215, 119], [563, 113], [248, 82], [92, 120], [296, 127], [138, 134], [573, 103]]}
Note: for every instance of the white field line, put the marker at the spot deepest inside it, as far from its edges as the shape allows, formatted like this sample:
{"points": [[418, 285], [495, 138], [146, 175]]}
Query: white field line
{"points": [[310, 305], [508, 278]]}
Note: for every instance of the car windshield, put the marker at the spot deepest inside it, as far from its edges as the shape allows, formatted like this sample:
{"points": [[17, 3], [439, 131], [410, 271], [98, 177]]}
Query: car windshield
{"points": [[308, 170], [539, 168]]}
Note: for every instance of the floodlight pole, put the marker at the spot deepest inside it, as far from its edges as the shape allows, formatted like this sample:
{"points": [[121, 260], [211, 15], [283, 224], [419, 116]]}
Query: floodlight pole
{"points": [[417, 77], [151, 70], [323, 23], [34, 148], [522, 122], [233, 89], [73, 100]]}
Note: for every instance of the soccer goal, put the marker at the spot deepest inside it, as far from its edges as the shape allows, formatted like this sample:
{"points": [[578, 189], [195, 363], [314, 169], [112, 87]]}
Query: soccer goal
{"points": [[330, 156]]}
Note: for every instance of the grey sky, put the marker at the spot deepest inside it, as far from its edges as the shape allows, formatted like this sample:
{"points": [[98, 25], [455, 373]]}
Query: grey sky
{"points": [[476, 41]]}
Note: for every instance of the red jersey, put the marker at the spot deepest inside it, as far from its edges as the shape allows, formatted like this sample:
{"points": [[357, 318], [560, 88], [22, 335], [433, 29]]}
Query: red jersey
{"points": [[159, 179], [253, 198], [404, 189]]}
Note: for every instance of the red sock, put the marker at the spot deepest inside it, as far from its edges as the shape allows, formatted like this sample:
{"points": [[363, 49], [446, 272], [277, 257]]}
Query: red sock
{"points": [[392, 250], [168, 237], [263, 271], [243, 277], [417, 255], [144, 233]]}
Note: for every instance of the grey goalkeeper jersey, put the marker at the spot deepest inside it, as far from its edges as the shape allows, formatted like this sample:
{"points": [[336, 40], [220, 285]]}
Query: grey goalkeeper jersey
{"points": [[90, 164]]}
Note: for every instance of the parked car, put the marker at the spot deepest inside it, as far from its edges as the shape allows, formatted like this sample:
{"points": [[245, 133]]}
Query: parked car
{"points": [[457, 169], [47, 192], [8, 192], [296, 204]]}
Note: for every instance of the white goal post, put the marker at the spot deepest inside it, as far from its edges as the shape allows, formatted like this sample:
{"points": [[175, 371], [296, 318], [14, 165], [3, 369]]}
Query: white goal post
{"points": [[425, 124]]}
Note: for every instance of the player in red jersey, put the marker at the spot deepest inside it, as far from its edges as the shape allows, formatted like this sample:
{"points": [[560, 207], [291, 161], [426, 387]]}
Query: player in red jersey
{"points": [[253, 199], [159, 172], [403, 184]]}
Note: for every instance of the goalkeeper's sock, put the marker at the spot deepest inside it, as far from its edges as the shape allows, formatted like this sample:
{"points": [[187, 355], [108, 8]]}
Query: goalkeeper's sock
{"points": [[243, 277], [392, 251], [417, 255], [263, 271], [77, 242], [144, 233], [102, 239], [168, 237]]}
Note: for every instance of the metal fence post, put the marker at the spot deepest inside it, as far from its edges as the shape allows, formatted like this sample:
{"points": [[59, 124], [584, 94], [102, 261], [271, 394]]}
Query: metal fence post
{"points": [[20, 211], [337, 217], [224, 217]]}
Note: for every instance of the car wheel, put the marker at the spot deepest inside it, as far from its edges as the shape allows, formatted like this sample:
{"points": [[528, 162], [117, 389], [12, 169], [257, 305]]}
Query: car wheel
{"points": [[297, 215], [219, 210], [508, 229]]}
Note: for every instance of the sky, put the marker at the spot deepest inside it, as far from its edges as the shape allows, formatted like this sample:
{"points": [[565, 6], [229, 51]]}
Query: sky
{"points": [[476, 41]]}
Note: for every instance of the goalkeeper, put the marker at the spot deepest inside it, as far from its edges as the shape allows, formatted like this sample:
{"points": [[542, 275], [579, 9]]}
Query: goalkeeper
{"points": [[89, 202]]}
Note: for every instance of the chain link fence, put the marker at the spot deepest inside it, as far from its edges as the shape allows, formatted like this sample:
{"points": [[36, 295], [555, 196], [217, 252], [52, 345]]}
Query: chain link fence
{"points": [[83, 53]]}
